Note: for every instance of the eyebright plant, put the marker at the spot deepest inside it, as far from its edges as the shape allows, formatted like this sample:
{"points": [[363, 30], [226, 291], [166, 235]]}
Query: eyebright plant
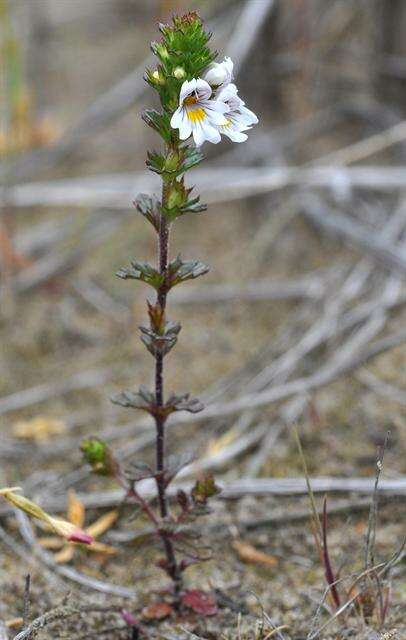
{"points": [[199, 102]]}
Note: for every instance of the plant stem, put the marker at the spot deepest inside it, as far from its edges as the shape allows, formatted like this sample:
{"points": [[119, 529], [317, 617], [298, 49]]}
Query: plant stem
{"points": [[163, 245]]}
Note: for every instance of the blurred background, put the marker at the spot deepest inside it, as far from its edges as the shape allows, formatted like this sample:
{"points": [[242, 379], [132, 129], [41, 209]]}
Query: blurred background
{"points": [[302, 316]]}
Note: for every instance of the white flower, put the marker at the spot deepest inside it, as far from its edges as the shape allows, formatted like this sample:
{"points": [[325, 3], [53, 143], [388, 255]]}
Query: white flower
{"points": [[198, 114], [220, 74], [239, 118]]}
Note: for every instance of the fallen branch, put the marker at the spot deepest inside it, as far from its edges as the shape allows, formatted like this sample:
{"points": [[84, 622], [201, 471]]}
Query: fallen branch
{"points": [[235, 489], [219, 184], [338, 223], [308, 287]]}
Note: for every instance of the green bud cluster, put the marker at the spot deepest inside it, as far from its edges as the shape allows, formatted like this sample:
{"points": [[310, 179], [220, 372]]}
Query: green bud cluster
{"points": [[182, 55]]}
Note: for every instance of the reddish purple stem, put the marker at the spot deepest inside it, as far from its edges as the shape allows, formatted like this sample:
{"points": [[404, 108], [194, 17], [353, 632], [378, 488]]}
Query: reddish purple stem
{"points": [[329, 573]]}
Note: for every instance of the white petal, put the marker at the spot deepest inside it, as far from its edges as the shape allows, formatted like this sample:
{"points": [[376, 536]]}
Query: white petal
{"points": [[176, 119], [185, 128], [198, 135], [229, 65], [216, 118], [220, 74], [211, 133], [234, 135], [203, 89], [230, 91], [249, 116], [215, 75], [186, 89], [215, 106]]}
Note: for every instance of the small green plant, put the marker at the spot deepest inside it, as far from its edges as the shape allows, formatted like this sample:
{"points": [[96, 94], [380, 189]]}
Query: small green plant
{"points": [[199, 103]]}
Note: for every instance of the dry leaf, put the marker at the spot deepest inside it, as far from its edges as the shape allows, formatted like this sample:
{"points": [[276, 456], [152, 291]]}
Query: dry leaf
{"points": [[76, 510], [157, 611], [65, 555], [99, 547], [200, 602], [39, 429], [248, 553], [14, 623], [218, 444], [50, 542], [102, 525]]}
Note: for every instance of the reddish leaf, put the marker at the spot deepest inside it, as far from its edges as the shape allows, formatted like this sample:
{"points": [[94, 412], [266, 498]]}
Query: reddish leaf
{"points": [[200, 602], [157, 611]]}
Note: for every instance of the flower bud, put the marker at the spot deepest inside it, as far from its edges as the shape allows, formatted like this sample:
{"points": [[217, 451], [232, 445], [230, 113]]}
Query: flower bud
{"points": [[69, 531], [176, 195], [220, 74], [98, 455], [179, 73], [157, 78], [172, 161], [160, 50], [65, 529]]}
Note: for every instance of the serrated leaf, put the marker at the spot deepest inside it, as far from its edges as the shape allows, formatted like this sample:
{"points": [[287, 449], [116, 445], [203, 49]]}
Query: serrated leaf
{"points": [[160, 122], [138, 470], [175, 464], [160, 343], [183, 403], [143, 399], [148, 207], [156, 162], [142, 271], [180, 271], [192, 158]]}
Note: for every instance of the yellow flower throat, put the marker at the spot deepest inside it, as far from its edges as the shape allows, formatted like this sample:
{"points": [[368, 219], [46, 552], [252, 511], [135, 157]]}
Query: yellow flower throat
{"points": [[195, 114]]}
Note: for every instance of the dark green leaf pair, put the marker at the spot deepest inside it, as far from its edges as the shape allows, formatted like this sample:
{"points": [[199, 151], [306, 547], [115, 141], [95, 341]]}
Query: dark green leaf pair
{"points": [[178, 201], [178, 271], [175, 163], [144, 272]]}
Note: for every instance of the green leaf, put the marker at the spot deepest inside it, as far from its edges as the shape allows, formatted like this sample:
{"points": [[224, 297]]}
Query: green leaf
{"points": [[178, 202], [142, 271], [159, 121], [143, 399], [180, 271], [192, 158], [148, 207], [183, 403], [160, 343], [155, 162]]}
